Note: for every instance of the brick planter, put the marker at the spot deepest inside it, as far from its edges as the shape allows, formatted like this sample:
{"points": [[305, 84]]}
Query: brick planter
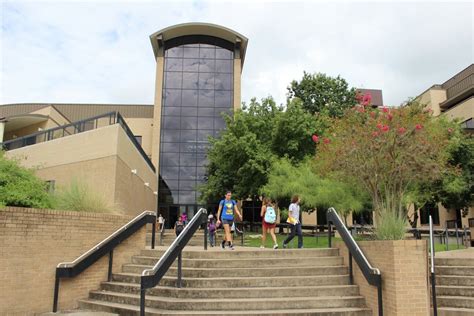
{"points": [[405, 275]]}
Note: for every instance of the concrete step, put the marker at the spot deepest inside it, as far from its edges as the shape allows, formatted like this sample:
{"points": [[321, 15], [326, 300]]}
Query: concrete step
{"points": [[228, 282], [231, 293], [126, 310], [454, 262], [450, 311], [247, 252], [455, 301], [244, 272], [169, 303], [442, 290], [455, 280], [455, 270], [246, 263]]}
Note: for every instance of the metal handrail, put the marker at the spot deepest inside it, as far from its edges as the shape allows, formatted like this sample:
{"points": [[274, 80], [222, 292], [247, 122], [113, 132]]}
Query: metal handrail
{"points": [[106, 246], [371, 274], [151, 277]]}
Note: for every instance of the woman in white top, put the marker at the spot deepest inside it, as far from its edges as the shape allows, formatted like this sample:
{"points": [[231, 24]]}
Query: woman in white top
{"points": [[294, 212]]}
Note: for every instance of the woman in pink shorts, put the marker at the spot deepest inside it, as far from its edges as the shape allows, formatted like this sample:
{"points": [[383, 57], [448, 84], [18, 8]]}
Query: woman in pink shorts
{"points": [[268, 214]]}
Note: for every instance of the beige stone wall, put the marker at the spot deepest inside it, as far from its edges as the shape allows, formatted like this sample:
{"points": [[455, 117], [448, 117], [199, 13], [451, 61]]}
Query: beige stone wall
{"points": [[102, 159], [404, 268], [155, 147], [35, 241], [237, 83], [55, 117], [462, 111], [432, 98], [142, 127]]}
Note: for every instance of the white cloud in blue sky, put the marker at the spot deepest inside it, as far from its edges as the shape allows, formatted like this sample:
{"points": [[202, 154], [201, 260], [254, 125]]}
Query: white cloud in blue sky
{"points": [[100, 51]]}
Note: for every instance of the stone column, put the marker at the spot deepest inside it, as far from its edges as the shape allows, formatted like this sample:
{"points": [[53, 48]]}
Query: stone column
{"points": [[2, 130]]}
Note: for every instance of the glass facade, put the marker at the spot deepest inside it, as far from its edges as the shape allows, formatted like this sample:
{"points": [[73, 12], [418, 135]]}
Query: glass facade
{"points": [[197, 89]]}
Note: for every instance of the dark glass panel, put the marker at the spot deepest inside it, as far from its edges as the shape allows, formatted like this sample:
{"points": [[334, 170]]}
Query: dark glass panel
{"points": [[174, 64], [201, 160], [203, 147], [187, 173], [203, 135], [173, 184], [207, 65], [207, 46], [206, 112], [174, 52], [224, 54], [200, 173], [206, 98], [224, 66], [170, 173], [189, 147], [187, 197], [218, 112], [187, 185], [188, 122], [191, 65], [190, 80], [205, 123], [191, 52], [173, 80], [187, 111], [172, 98], [188, 136], [219, 123], [170, 147], [224, 99], [223, 81], [171, 122], [206, 81], [187, 160], [170, 135], [207, 53], [169, 159], [176, 111], [190, 97]]}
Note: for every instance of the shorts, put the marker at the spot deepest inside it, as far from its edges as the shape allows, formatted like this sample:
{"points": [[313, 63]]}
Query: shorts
{"points": [[227, 222], [267, 225]]}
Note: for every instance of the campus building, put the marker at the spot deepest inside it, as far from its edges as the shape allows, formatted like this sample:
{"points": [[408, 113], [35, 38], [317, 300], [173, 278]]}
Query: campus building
{"points": [[454, 99], [139, 156]]}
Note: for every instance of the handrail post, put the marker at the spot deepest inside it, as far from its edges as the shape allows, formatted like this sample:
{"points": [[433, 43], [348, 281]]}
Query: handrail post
{"points": [[329, 235], [379, 298], [351, 275], [153, 234], [56, 293], [111, 258], [142, 300], [433, 277], [178, 283]]}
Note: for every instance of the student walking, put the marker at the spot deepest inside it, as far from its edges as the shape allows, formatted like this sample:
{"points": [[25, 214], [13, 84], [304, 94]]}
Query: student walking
{"points": [[269, 216], [211, 228], [228, 207], [178, 226], [160, 222], [294, 220]]}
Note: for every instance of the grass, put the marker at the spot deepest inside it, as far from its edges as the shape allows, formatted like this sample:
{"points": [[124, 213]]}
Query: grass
{"points": [[442, 247]]}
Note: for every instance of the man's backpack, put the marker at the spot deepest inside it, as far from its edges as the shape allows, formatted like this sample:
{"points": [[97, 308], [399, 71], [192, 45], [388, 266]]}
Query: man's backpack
{"points": [[270, 215]]}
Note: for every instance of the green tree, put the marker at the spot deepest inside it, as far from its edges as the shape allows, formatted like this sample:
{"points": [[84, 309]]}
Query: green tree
{"points": [[320, 93], [19, 186]]}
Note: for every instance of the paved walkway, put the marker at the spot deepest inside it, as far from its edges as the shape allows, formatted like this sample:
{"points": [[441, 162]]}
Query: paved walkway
{"points": [[462, 253]]}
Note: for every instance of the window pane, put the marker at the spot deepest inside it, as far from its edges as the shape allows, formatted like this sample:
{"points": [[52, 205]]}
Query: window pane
{"points": [[174, 64], [224, 66], [186, 111], [222, 53], [174, 52], [202, 135], [169, 147], [187, 197], [190, 80], [205, 123], [206, 81], [188, 122], [190, 97], [187, 173], [207, 65], [187, 160], [223, 82], [169, 173], [201, 160], [207, 53], [219, 123], [224, 99], [206, 112], [188, 136], [172, 98], [173, 80], [191, 65], [187, 185], [206, 98], [203, 147], [169, 159], [171, 185], [171, 122], [220, 111], [170, 135], [191, 52], [176, 111], [189, 147]]}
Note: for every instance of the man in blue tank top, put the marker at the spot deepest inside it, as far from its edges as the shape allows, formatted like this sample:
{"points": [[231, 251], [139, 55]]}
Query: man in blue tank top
{"points": [[228, 207]]}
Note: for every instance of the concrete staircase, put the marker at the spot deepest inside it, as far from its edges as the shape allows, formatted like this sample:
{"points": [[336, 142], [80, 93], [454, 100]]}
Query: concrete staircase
{"points": [[246, 281], [455, 286]]}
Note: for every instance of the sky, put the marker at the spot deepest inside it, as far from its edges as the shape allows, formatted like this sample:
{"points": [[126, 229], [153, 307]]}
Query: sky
{"points": [[100, 52]]}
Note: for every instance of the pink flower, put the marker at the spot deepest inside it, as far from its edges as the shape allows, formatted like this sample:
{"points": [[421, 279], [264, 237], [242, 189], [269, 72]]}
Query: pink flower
{"points": [[450, 130], [315, 138], [326, 141], [375, 134], [385, 109], [385, 128], [401, 130], [379, 125], [389, 116], [367, 98], [418, 126]]}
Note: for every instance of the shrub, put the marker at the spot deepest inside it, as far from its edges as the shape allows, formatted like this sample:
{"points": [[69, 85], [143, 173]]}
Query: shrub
{"points": [[78, 197]]}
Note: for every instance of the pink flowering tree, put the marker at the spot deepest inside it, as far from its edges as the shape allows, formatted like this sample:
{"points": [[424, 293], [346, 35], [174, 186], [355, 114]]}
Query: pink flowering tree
{"points": [[386, 151]]}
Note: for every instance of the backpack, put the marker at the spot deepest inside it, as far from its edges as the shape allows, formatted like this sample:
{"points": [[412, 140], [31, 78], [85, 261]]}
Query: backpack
{"points": [[212, 227], [270, 215]]}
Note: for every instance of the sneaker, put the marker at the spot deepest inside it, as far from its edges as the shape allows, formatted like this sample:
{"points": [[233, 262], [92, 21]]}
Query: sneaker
{"points": [[223, 245], [262, 247], [284, 246], [231, 247], [275, 246]]}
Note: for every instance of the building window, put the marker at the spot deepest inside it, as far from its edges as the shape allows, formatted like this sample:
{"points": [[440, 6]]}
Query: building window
{"points": [[138, 138], [426, 211], [197, 89], [50, 186]]}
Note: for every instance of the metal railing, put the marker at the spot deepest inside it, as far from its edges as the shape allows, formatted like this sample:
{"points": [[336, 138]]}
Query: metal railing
{"points": [[433, 277], [77, 127], [371, 274], [74, 268], [151, 277]]}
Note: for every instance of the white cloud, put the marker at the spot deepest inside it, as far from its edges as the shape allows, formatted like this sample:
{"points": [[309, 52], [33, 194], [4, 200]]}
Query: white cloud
{"points": [[100, 51]]}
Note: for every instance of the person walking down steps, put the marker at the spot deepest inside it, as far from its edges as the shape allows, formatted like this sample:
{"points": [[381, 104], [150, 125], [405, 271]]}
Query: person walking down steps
{"points": [[228, 207], [294, 221], [269, 216]]}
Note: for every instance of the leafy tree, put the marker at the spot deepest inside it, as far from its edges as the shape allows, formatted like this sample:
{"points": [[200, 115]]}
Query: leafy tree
{"points": [[385, 151], [320, 93], [20, 187]]}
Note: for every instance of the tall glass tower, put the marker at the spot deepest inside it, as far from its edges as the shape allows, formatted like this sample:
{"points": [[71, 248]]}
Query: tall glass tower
{"points": [[197, 80]]}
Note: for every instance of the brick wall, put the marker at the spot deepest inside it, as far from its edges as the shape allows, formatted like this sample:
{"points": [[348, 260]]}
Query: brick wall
{"points": [[33, 242], [404, 268]]}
